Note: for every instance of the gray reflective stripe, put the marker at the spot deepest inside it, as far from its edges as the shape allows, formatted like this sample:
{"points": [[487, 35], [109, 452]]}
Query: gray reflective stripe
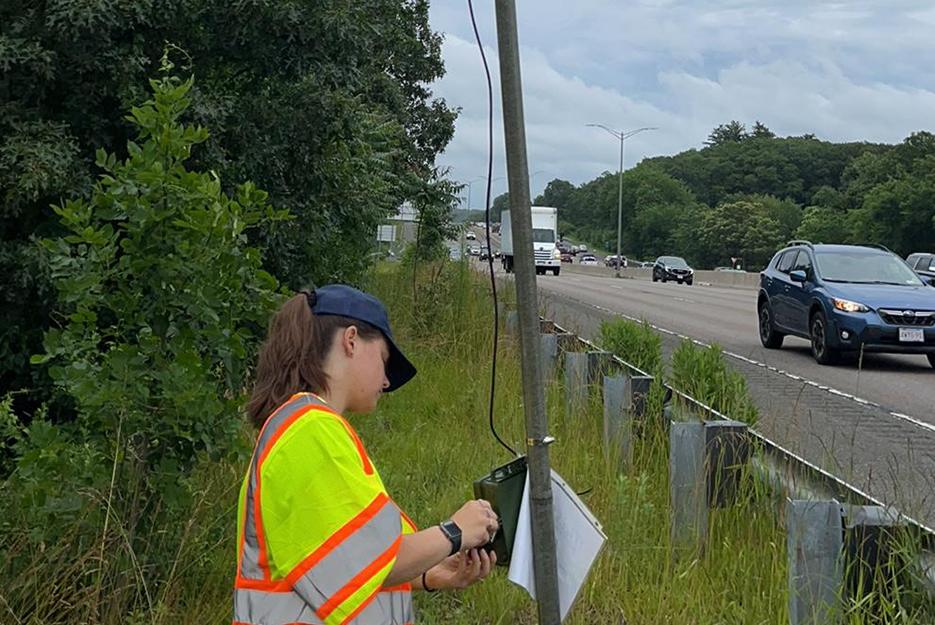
{"points": [[272, 608], [250, 558], [387, 608], [351, 556], [257, 607]]}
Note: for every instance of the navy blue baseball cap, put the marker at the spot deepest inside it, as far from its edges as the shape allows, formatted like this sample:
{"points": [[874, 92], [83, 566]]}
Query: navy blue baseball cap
{"points": [[340, 299]]}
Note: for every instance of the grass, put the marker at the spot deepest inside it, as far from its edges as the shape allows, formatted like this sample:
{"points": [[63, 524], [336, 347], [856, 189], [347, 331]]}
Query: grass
{"points": [[430, 441]]}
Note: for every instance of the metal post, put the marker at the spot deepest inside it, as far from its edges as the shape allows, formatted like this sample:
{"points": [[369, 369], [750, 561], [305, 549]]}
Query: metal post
{"points": [[619, 206], [548, 346], [540, 478], [576, 382], [688, 501], [618, 421], [815, 538]]}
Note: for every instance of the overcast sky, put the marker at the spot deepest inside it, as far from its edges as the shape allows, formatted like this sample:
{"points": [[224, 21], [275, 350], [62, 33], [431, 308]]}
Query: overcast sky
{"points": [[845, 71]]}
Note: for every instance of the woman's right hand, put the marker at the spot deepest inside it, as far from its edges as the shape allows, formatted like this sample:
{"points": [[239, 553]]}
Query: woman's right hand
{"points": [[478, 523]]}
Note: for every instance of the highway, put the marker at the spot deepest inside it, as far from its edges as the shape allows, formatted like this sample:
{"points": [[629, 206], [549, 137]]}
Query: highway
{"points": [[873, 426]]}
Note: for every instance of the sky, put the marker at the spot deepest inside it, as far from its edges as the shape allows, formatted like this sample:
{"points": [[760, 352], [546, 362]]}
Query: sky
{"points": [[861, 70]]}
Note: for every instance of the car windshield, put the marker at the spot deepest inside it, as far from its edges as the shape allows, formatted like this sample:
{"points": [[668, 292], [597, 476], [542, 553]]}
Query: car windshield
{"points": [[674, 261], [862, 267], [543, 235]]}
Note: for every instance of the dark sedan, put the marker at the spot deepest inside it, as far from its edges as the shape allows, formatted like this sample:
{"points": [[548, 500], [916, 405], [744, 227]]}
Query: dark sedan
{"points": [[672, 268]]}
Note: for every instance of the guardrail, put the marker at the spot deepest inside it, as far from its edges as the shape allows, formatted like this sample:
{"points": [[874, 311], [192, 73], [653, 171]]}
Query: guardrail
{"points": [[823, 511]]}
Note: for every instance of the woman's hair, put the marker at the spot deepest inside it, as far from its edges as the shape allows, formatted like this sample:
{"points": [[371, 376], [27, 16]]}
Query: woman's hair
{"points": [[293, 356]]}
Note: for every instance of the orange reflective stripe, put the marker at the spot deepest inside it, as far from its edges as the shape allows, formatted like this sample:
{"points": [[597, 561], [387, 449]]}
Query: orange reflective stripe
{"points": [[359, 580], [335, 539], [407, 587], [364, 458], [406, 518]]}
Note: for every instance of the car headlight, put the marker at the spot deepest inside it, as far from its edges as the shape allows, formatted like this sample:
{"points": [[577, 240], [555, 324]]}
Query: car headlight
{"points": [[556, 254], [848, 306]]}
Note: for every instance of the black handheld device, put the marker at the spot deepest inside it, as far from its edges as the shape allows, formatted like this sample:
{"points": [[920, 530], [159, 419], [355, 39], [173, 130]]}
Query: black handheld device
{"points": [[503, 488]]}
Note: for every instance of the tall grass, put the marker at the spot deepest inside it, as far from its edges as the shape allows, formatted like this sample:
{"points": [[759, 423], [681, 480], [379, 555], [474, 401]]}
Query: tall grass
{"points": [[430, 441]]}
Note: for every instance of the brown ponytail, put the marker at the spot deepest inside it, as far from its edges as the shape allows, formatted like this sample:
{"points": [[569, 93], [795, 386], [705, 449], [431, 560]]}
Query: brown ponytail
{"points": [[292, 358]]}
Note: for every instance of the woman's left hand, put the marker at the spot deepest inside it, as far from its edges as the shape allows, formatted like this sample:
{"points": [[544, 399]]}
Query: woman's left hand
{"points": [[461, 570]]}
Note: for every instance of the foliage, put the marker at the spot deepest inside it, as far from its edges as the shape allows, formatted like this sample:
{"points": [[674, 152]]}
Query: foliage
{"points": [[636, 343], [162, 302], [326, 105], [499, 204], [702, 373]]}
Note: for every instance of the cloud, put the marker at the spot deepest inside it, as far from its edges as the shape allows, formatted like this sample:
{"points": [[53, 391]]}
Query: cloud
{"points": [[859, 70]]}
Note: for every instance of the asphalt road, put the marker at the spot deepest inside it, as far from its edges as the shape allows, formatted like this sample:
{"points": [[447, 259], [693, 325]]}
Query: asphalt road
{"points": [[727, 316], [873, 427]]}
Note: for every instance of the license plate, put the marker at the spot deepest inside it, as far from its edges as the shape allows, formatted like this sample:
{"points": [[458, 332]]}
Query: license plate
{"points": [[911, 335]]}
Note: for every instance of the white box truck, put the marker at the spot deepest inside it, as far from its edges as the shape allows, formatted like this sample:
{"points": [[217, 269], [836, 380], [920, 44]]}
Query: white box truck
{"points": [[544, 235]]}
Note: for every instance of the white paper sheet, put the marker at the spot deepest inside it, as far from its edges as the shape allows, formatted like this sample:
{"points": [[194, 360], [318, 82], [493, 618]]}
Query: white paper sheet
{"points": [[578, 541]]}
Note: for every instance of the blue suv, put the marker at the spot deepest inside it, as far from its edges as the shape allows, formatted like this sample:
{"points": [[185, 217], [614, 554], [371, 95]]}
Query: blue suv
{"points": [[846, 299]]}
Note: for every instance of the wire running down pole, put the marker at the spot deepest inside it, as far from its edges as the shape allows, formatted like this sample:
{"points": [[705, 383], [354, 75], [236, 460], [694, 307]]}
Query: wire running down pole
{"points": [[537, 451]]}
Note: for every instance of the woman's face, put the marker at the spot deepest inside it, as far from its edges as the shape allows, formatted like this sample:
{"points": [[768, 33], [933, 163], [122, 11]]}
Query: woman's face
{"points": [[367, 374]]}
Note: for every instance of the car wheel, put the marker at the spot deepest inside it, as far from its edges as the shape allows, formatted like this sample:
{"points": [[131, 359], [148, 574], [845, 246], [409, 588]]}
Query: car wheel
{"points": [[664, 279], [688, 282], [555, 271], [931, 358], [768, 335], [655, 279], [818, 332]]}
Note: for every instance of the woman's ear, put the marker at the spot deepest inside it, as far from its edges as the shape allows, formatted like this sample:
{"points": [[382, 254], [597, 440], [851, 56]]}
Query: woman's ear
{"points": [[349, 340]]}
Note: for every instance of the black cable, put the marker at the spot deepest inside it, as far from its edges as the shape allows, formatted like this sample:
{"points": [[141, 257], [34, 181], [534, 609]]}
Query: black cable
{"points": [[493, 282]]}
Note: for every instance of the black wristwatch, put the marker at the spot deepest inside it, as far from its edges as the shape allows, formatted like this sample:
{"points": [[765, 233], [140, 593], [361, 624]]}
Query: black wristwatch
{"points": [[453, 533]]}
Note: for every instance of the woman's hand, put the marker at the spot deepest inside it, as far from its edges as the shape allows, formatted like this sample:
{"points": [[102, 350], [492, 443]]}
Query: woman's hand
{"points": [[461, 570], [478, 523]]}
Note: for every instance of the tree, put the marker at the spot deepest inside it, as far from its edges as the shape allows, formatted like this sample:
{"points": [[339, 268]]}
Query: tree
{"points": [[557, 193], [732, 132], [162, 301], [822, 225], [500, 203], [760, 131], [324, 105]]}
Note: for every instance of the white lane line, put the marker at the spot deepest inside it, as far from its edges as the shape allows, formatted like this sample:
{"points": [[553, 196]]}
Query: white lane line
{"points": [[859, 400]]}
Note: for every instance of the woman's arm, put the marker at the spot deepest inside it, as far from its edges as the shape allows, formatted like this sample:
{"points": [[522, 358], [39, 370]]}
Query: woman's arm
{"points": [[418, 553]]}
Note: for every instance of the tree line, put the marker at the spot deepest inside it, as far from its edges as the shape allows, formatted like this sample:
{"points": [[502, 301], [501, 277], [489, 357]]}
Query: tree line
{"points": [[744, 194]]}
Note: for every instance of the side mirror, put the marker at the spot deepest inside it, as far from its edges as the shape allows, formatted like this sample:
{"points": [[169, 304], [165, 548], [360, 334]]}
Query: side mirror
{"points": [[799, 276]]}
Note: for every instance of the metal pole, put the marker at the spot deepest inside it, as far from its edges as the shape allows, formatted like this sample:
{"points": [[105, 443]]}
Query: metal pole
{"points": [[469, 194], [619, 207], [537, 439]]}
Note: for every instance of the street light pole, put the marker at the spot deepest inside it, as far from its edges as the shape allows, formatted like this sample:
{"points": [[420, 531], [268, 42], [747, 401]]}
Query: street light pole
{"points": [[622, 136]]}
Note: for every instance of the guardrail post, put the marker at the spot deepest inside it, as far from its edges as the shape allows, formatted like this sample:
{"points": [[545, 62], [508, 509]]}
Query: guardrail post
{"points": [[576, 382], [815, 540], [600, 363], [546, 326], [548, 347], [618, 420], [872, 549], [727, 451], [688, 505], [512, 324], [640, 386]]}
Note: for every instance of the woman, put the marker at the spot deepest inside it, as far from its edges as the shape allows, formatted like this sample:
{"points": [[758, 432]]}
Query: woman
{"points": [[319, 539]]}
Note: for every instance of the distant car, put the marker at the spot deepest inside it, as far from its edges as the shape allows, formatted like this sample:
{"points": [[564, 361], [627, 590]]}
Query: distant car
{"points": [[672, 268], [588, 259], [647, 264], [567, 258], [474, 250], [924, 265], [454, 253], [582, 248], [574, 250], [729, 269], [470, 236], [611, 261], [845, 299]]}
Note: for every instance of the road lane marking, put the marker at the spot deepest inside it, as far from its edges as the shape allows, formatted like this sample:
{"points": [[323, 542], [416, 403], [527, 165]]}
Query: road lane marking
{"points": [[859, 400]]}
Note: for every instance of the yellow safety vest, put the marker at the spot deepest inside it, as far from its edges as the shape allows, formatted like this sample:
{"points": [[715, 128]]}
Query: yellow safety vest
{"points": [[317, 533]]}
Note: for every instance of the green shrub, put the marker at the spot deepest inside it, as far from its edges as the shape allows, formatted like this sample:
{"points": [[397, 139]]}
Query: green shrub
{"points": [[702, 373], [161, 303], [637, 343]]}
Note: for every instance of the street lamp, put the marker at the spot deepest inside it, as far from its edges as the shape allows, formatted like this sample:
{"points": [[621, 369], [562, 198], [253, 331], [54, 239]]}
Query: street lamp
{"points": [[622, 136]]}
